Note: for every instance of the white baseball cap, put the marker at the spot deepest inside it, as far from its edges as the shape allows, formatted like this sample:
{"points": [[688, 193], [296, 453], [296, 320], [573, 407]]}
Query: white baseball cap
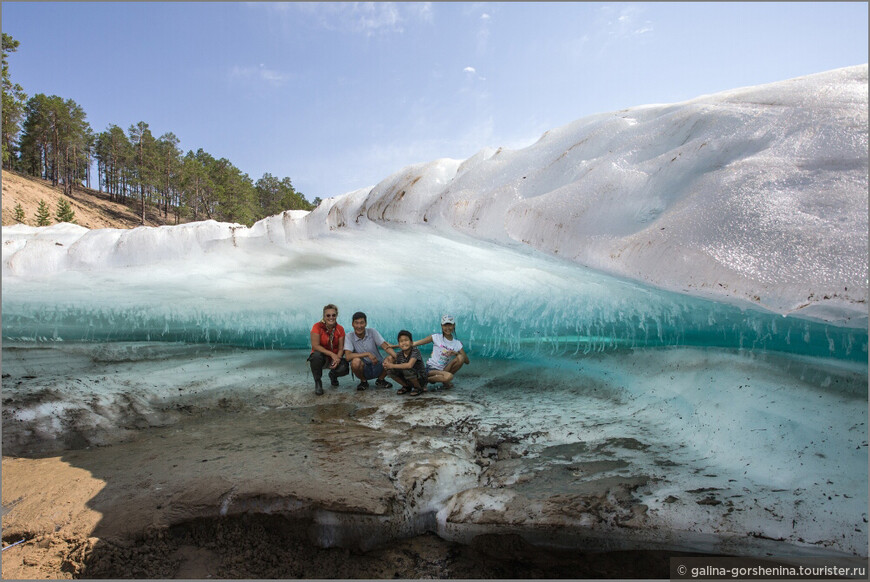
{"points": [[447, 319]]}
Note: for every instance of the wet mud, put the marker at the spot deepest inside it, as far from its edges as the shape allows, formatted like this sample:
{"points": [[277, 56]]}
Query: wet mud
{"points": [[274, 547]]}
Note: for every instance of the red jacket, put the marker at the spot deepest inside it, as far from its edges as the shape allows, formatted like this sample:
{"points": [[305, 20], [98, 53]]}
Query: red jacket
{"points": [[338, 333]]}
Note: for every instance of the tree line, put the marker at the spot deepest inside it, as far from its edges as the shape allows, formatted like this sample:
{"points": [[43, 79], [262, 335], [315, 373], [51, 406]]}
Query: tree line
{"points": [[49, 137]]}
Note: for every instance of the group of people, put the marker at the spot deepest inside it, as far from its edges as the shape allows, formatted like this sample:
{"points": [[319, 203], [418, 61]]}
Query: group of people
{"points": [[359, 353]]}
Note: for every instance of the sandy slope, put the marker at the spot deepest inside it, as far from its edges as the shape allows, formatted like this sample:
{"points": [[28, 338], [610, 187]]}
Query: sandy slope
{"points": [[91, 210]]}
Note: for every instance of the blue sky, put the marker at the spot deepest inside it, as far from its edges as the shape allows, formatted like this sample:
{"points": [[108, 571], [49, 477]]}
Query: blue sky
{"points": [[339, 96]]}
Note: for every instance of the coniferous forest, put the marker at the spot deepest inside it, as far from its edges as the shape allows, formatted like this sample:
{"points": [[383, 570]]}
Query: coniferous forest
{"points": [[49, 137]]}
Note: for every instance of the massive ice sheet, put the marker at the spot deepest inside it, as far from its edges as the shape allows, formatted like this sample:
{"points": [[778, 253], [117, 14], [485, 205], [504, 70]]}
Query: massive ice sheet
{"points": [[713, 217], [216, 283], [756, 194]]}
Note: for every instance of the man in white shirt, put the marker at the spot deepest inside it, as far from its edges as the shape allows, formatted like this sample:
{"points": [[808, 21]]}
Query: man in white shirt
{"points": [[361, 351]]}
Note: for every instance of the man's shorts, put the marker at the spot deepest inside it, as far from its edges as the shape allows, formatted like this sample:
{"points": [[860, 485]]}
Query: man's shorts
{"points": [[372, 371]]}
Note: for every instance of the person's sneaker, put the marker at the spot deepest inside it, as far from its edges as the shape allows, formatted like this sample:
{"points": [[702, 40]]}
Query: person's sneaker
{"points": [[362, 385], [318, 387], [333, 380], [383, 384]]}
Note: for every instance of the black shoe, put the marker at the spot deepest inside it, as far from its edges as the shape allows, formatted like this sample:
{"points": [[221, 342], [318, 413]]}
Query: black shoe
{"points": [[362, 385], [333, 380], [383, 384], [318, 387]]}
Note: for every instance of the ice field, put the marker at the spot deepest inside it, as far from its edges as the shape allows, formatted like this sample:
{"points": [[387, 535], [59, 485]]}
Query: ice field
{"points": [[685, 283]]}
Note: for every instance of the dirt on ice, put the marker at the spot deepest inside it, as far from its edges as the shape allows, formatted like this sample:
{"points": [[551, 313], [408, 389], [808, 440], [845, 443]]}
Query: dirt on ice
{"points": [[163, 460], [235, 494]]}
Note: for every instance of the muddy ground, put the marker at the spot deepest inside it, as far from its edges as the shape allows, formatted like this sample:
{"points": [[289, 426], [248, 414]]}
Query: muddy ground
{"points": [[158, 461], [192, 501], [259, 546], [239, 494]]}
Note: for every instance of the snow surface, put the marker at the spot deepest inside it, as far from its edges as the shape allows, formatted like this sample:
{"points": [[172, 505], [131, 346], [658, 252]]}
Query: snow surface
{"points": [[756, 194]]}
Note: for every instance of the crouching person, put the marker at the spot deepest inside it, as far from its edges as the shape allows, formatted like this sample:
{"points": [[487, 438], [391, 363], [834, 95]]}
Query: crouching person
{"points": [[327, 349], [448, 356], [361, 351], [407, 367]]}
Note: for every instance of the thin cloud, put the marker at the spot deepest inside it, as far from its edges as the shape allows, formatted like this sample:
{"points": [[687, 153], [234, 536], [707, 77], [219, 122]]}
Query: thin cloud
{"points": [[259, 73], [372, 18], [472, 8], [422, 11], [472, 73], [612, 26], [483, 34], [628, 21], [367, 18]]}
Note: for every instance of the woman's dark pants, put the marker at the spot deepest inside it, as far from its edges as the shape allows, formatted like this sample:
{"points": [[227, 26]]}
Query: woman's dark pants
{"points": [[320, 361]]}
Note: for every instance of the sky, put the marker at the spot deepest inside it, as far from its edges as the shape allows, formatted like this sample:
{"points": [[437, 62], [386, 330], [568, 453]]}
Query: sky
{"points": [[338, 96]]}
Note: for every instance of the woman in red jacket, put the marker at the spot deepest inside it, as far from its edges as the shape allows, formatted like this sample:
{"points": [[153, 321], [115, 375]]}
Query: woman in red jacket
{"points": [[327, 349]]}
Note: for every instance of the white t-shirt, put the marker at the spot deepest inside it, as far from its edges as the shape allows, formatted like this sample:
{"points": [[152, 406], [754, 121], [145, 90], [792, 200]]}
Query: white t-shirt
{"points": [[439, 359]]}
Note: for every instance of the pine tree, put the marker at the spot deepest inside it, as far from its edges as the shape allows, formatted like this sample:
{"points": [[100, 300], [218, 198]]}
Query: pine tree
{"points": [[114, 153], [65, 213], [42, 214], [169, 166], [19, 213], [55, 140], [13, 105], [144, 163]]}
